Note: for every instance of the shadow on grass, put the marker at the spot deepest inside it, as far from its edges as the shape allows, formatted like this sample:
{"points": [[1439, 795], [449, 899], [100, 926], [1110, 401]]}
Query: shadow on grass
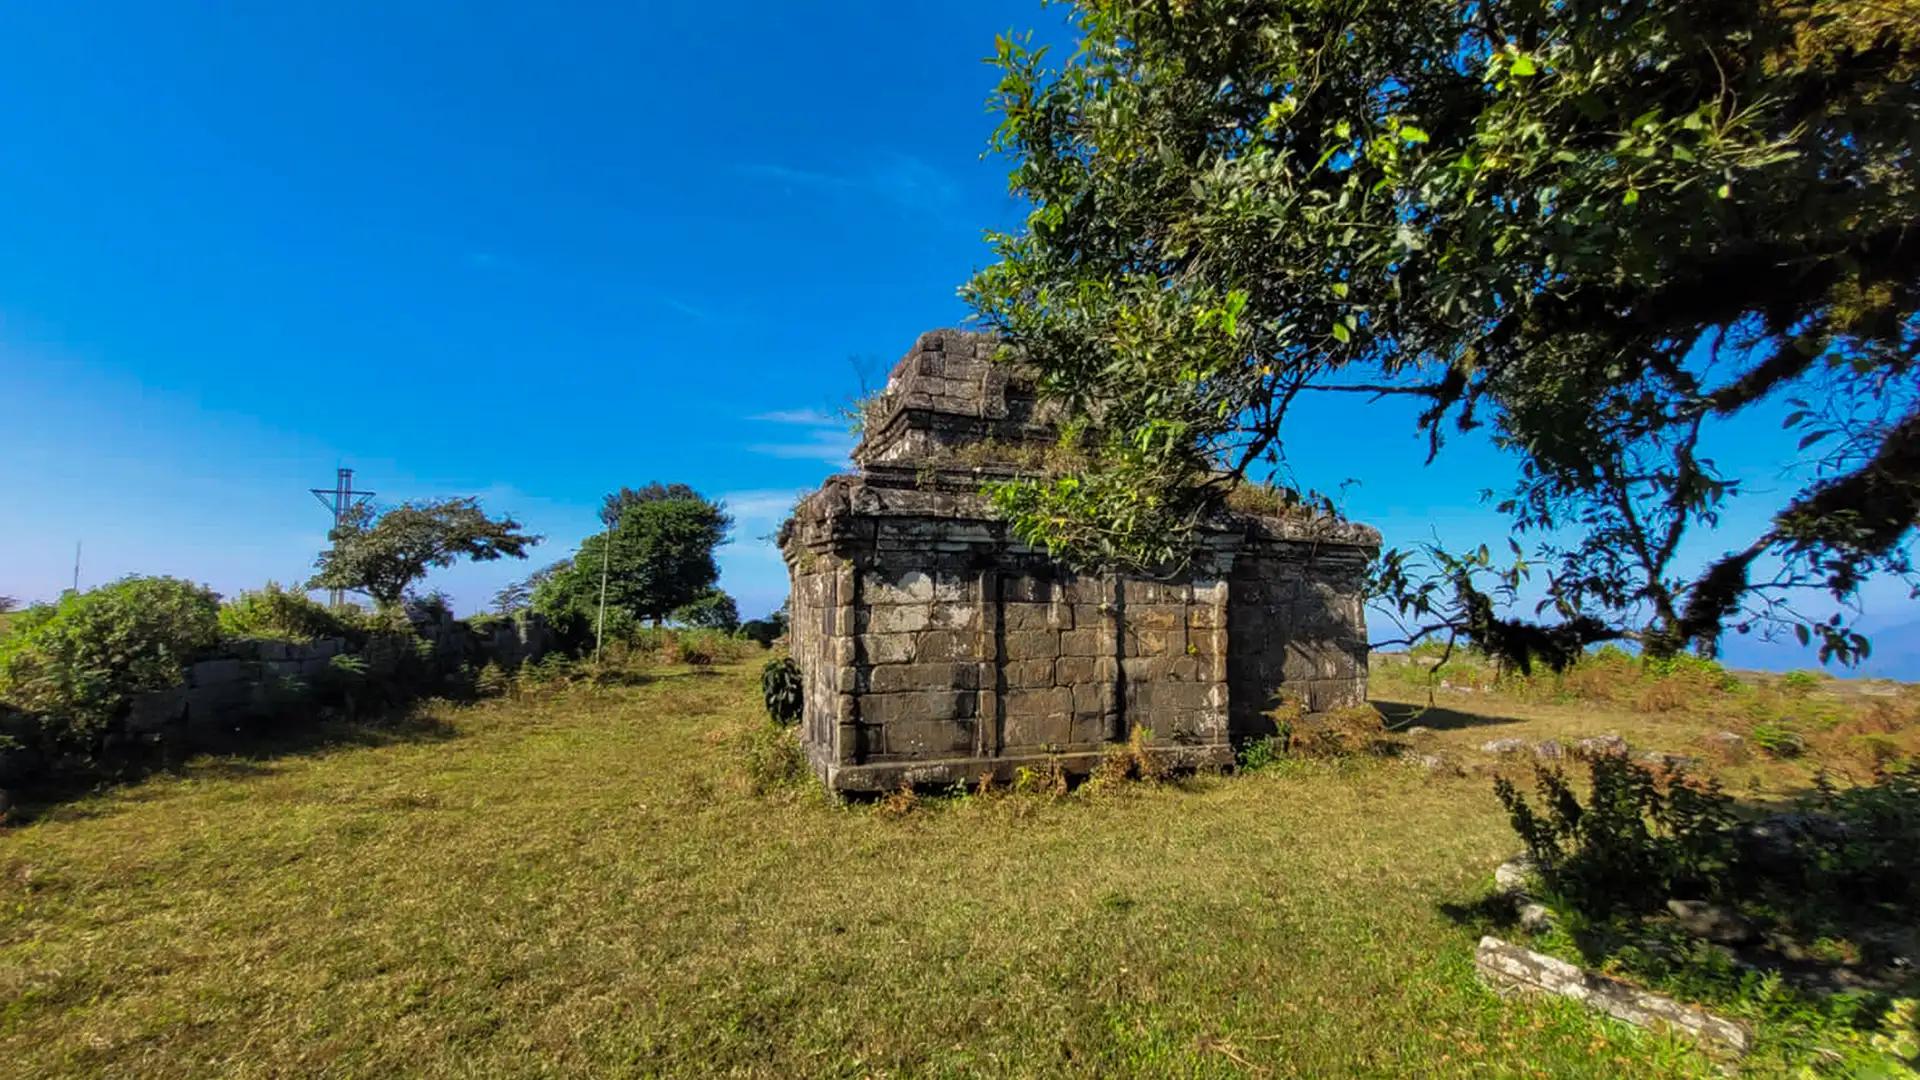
{"points": [[249, 750], [1401, 715]]}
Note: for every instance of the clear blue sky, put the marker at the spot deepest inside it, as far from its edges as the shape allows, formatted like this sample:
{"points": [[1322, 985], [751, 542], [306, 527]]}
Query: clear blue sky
{"points": [[529, 253]]}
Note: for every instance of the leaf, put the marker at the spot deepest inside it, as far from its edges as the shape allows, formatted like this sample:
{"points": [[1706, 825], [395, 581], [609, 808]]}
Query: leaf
{"points": [[1812, 437], [1632, 196], [1412, 134], [1341, 333], [1340, 289], [1522, 65]]}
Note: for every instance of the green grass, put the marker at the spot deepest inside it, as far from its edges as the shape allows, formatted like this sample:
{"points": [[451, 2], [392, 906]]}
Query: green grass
{"points": [[581, 883]]}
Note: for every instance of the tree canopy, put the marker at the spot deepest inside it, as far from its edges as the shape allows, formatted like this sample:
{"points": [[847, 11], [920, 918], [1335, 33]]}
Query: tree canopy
{"points": [[616, 503], [658, 558], [384, 554], [1606, 231]]}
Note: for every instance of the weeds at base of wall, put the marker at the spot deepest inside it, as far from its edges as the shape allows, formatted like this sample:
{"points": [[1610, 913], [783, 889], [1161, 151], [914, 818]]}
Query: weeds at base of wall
{"points": [[771, 759], [1049, 780], [1128, 762]]}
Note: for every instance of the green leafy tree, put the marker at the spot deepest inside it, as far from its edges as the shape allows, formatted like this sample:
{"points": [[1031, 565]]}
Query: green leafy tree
{"points": [[657, 559], [78, 663], [1610, 233], [383, 555], [616, 503], [712, 610]]}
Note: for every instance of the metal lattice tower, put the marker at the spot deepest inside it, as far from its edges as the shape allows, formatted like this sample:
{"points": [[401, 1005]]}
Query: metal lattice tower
{"points": [[341, 501]]}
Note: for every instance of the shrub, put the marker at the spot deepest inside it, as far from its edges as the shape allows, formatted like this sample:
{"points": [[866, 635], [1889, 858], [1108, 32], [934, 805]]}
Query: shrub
{"points": [[782, 690], [280, 614], [78, 663], [1635, 842], [1357, 729], [550, 670], [1778, 740], [492, 680], [1800, 682], [771, 758], [1867, 855], [1049, 780], [1130, 760], [1259, 753]]}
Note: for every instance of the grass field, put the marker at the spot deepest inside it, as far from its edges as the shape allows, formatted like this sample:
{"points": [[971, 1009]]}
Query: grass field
{"points": [[583, 883]]}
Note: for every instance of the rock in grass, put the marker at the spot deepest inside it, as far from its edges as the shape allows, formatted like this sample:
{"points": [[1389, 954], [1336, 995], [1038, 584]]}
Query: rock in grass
{"points": [[1508, 967], [1435, 765], [1728, 745], [1504, 747], [1516, 874], [1661, 759], [1549, 750], [1536, 918], [1713, 922], [1599, 746]]}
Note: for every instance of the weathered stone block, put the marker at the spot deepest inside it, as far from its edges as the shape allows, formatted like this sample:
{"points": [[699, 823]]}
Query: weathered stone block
{"points": [[1086, 642], [908, 587], [1511, 967], [895, 618], [1028, 674], [887, 648], [893, 678], [1032, 645], [933, 646], [215, 673], [1030, 588], [1035, 729], [954, 616], [914, 706], [1020, 616], [934, 737], [1093, 698], [1070, 670]]}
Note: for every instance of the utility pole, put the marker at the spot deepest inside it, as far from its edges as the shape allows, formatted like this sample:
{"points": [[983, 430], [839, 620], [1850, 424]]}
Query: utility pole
{"points": [[341, 501], [76, 566], [600, 625]]}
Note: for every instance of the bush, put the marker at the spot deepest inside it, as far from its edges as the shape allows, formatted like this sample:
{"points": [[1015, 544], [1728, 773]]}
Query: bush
{"points": [[1260, 753], [280, 614], [772, 758], [1637, 841], [1800, 682], [1357, 729], [1130, 760], [78, 664], [782, 690]]}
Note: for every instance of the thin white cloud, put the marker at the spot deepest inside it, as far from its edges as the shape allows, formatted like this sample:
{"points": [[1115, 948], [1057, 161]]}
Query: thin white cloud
{"points": [[690, 311], [768, 506], [808, 417], [901, 179], [822, 437], [834, 449]]}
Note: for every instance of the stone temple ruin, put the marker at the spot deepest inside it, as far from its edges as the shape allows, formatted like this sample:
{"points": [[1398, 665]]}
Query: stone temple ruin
{"points": [[936, 648]]}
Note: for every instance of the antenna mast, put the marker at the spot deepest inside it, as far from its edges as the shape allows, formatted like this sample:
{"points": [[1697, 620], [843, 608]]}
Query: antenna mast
{"points": [[341, 501]]}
